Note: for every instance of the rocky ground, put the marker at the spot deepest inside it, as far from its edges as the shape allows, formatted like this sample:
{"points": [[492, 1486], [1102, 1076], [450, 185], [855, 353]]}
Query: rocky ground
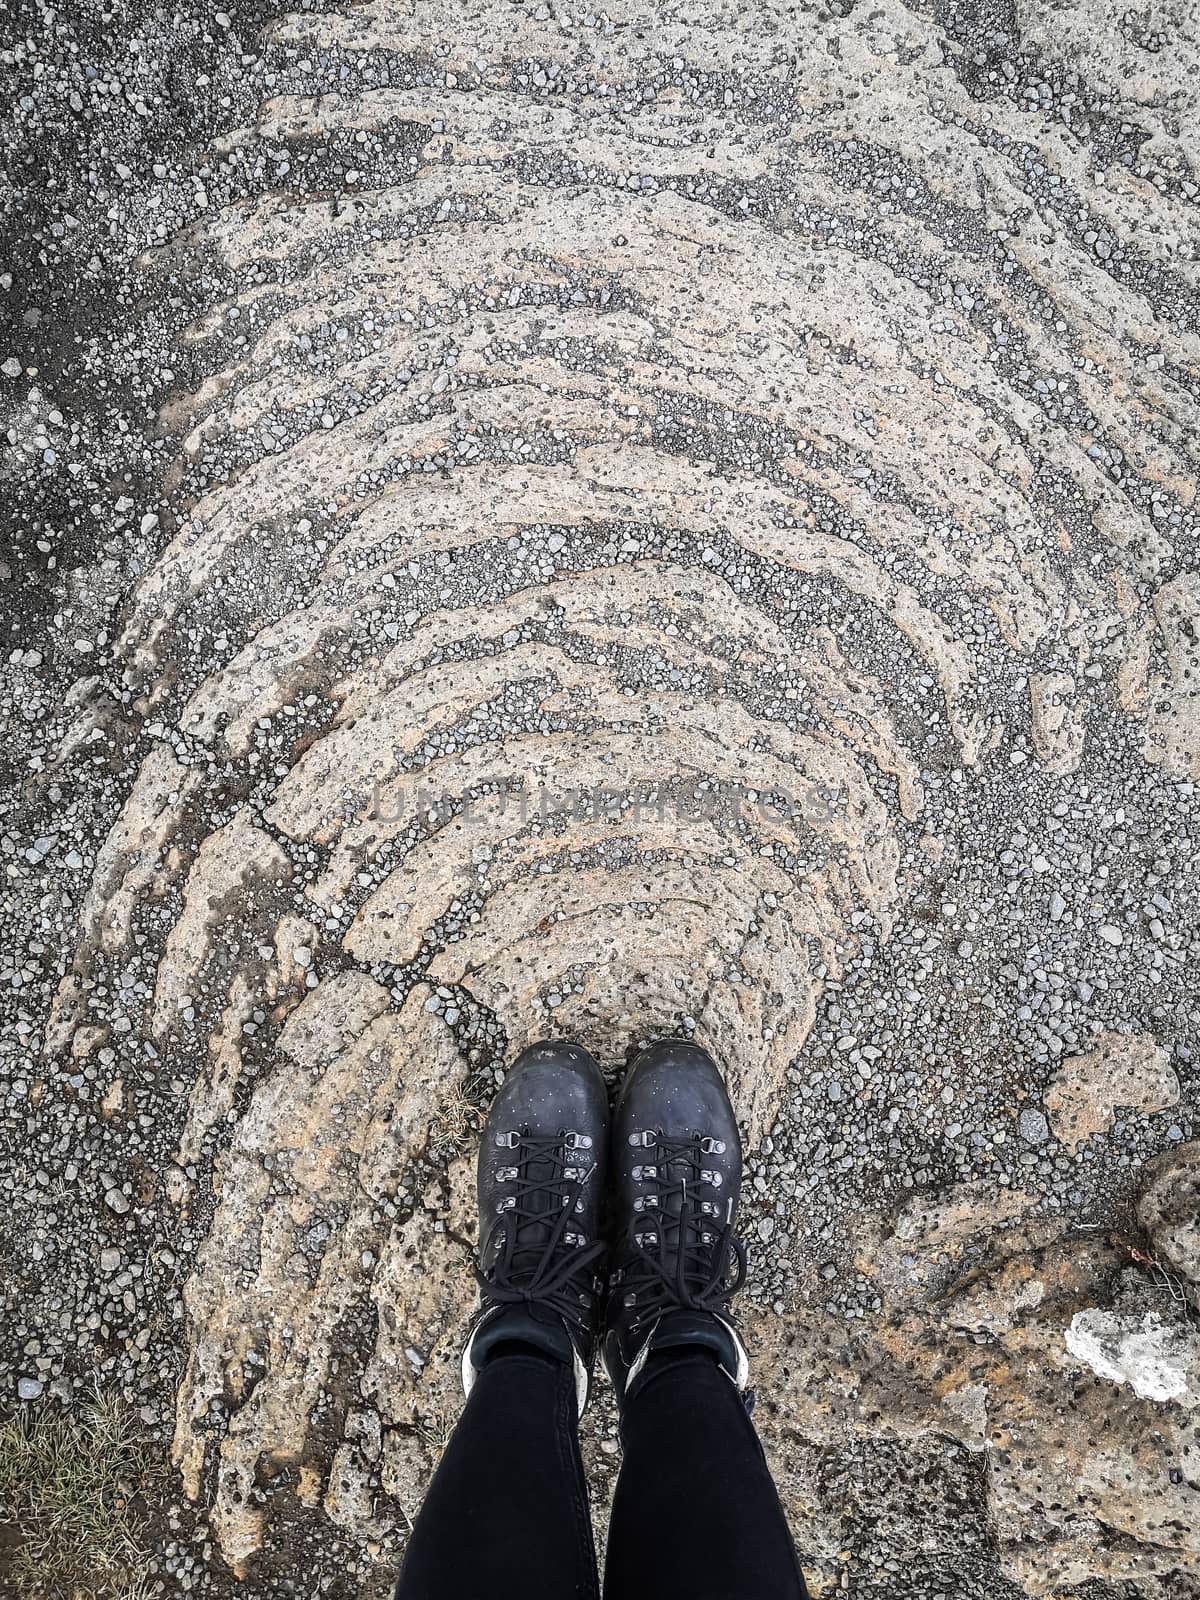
{"points": [[524, 520]]}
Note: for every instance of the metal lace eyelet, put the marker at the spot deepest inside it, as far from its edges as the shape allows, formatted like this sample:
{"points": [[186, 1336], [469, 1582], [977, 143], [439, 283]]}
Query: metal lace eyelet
{"points": [[645, 1139], [643, 1174], [579, 1141], [645, 1202], [507, 1141], [508, 1203], [506, 1174], [712, 1147], [711, 1177]]}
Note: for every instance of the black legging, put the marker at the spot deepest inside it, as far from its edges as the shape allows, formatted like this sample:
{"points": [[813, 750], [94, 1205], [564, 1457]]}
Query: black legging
{"points": [[695, 1515]]}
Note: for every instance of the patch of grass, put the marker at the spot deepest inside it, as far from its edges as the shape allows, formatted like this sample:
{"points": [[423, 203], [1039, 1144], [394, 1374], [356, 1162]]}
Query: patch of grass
{"points": [[434, 1433], [455, 1123], [68, 1491]]}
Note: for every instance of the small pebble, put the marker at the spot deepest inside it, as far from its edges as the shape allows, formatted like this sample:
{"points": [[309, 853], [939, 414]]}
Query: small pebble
{"points": [[1034, 1127]]}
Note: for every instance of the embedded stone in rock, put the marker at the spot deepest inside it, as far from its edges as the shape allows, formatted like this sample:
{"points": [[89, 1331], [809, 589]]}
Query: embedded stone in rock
{"points": [[1121, 1070]]}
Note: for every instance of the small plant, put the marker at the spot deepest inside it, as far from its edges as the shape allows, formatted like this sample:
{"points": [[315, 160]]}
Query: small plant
{"points": [[434, 1433], [68, 1486], [1165, 1279], [454, 1123]]}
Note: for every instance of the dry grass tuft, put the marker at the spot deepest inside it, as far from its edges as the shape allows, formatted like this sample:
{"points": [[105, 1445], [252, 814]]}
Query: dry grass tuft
{"points": [[455, 1124], [67, 1491], [434, 1433]]}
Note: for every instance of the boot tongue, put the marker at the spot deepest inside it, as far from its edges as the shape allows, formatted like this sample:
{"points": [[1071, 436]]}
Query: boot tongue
{"points": [[544, 1208], [521, 1324], [701, 1330], [541, 1212]]}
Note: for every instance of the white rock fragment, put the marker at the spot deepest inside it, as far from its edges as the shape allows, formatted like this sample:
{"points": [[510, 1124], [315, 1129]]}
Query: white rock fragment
{"points": [[1158, 1363]]}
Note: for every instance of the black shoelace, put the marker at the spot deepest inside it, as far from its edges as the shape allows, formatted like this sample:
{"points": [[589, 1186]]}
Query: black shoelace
{"points": [[683, 1260], [536, 1264]]}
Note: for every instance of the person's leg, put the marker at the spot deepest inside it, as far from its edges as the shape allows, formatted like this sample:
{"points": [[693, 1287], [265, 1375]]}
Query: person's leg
{"points": [[696, 1515], [506, 1516]]}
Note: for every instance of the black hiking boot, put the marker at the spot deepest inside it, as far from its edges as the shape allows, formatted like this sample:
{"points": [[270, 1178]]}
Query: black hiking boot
{"points": [[677, 1173], [541, 1179]]}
